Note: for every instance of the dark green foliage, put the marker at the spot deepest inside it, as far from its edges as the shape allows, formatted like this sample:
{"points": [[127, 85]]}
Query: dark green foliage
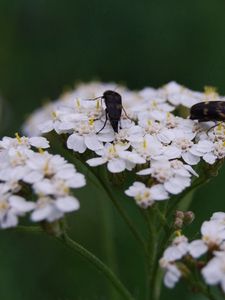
{"points": [[45, 46]]}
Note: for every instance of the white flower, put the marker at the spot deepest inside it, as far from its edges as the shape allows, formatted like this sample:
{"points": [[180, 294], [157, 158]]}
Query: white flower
{"points": [[212, 233], [219, 217], [174, 175], [214, 271], [152, 133], [19, 142], [149, 147], [130, 133], [183, 147], [176, 251], [50, 209], [117, 158], [145, 196], [172, 276], [197, 248], [49, 177], [11, 207]]}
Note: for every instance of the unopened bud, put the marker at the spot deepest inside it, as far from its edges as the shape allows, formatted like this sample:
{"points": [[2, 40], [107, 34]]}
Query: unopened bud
{"points": [[178, 224], [189, 217], [179, 214], [55, 228]]}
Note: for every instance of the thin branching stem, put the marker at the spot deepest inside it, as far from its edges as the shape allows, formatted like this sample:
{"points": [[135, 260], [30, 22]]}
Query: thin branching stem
{"points": [[87, 255], [99, 265]]}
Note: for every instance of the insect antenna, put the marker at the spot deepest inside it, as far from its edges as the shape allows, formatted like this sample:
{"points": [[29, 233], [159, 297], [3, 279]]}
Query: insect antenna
{"points": [[93, 99]]}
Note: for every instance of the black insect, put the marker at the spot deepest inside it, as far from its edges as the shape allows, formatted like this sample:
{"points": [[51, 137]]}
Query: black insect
{"points": [[208, 111], [114, 107]]}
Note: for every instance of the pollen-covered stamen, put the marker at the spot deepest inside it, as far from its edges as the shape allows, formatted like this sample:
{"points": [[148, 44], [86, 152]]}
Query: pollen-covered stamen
{"points": [[170, 121], [142, 196], [62, 188], [54, 115], [98, 105], [219, 132], [77, 103], [219, 149], [144, 199], [145, 144], [161, 174], [121, 135], [112, 153], [48, 169], [184, 143], [152, 127], [178, 234], [176, 164], [18, 159], [4, 205], [40, 150], [85, 127], [91, 121], [43, 201], [19, 140], [154, 104], [211, 92]]}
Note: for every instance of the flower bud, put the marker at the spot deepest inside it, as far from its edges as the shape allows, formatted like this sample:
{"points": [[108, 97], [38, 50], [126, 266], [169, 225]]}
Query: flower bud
{"points": [[179, 214], [178, 224], [55, 228], [188, 217]]}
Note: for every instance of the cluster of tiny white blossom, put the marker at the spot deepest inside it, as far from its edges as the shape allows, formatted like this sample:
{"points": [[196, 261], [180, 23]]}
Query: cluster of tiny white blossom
{"points": [[163, 144], [206, 254], [34, 181]]}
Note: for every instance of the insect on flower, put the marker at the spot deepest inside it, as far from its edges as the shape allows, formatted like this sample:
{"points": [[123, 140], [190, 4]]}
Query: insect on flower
{"points": [[113, 110], [208, 111]]}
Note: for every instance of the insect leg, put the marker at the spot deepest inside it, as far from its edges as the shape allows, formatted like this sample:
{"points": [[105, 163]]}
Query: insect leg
{"points": [[93, 99], [126, 113], [217, 124], [106, 118]]}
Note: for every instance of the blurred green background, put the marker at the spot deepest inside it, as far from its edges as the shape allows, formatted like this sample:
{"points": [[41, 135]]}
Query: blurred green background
{"points": [[45, 46]]}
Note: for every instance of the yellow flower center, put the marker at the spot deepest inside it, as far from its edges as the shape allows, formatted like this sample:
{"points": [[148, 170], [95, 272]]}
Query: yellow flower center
{"points": [[78, 103], [210, 89], [54, 115], [178, 233], [97, 104], [40, 150], [91, 121], [3, 205], [145, 144], [18, 138], [149, 122]]}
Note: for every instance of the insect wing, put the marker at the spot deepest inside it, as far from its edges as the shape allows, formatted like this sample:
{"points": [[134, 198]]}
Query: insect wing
{"points": [[113, 104], [208, 111]]}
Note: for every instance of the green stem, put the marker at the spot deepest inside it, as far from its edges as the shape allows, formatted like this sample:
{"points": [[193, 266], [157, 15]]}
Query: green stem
{"points": [[31, 229], [109, 241], [99, 265], [156, 271], [152, 247], [200, 288], [89, 256], [119, 207], [123, 214]]}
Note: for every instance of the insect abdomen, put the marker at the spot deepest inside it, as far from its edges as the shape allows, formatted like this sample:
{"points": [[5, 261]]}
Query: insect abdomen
{"points": [[113, 103], [208, 111]]}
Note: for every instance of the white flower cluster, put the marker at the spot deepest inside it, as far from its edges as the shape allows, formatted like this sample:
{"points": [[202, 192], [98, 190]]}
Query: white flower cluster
{"points": [[183, 253], [43, 178], [154, 135]]}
